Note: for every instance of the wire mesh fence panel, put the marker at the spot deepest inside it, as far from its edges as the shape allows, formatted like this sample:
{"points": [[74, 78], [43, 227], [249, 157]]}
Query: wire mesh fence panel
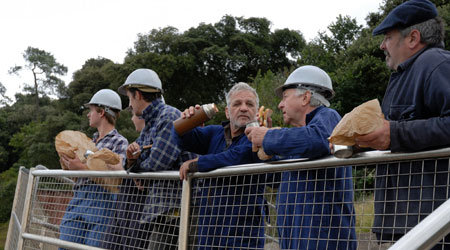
{"points": [[17, 210], [147, 215], [404, 194], [358, 203], [94, 211], [308, 209], [366, 206], [228, 212]]}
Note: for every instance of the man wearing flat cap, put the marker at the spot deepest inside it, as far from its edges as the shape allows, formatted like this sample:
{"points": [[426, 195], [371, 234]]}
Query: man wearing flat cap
{"points": [[417, 110]]}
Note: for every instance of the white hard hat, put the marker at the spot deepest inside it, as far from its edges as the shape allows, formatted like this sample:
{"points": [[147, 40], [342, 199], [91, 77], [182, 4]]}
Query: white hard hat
{"points": [[106, 98], [145, 80], [312, 78]]}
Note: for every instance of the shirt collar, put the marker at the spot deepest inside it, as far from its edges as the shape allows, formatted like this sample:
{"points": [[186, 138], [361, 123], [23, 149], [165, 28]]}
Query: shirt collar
{"points": [[227, 133], [311, 114], [151, 111], [404, 65], [111, 133]]}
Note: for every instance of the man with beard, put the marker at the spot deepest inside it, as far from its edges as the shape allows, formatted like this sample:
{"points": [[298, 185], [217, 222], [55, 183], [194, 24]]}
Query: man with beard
{"points": [[231, 208]]}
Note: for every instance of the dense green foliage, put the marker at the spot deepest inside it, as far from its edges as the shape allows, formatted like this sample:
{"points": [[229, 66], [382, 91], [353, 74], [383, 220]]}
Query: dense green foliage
{"points": [[195, 66]]}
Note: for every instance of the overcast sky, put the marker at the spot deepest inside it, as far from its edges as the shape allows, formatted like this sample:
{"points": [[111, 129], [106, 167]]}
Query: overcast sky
{"points": [[77, 30]]}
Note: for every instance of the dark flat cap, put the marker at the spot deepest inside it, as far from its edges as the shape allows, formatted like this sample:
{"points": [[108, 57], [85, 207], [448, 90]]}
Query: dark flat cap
{"points": [[407, 14]]}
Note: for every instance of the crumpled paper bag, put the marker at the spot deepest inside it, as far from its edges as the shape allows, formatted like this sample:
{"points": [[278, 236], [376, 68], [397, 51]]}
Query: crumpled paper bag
{"points": [[75, 143], [362, 120], [102, 160]]}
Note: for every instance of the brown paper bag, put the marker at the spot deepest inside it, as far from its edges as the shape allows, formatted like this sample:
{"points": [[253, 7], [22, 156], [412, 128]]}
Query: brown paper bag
{"points": [[75, 143], [103, 160], [362, 120]]}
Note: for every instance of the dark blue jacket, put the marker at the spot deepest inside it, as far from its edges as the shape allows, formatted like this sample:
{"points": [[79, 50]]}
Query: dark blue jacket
{"points": [[231, 208], [314, 207], [417, 104]]}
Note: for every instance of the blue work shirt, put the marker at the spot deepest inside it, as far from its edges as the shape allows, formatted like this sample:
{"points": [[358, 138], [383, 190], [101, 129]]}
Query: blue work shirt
{"points": [[165, 154], [417, 106], [231, 208], [314, 207]]}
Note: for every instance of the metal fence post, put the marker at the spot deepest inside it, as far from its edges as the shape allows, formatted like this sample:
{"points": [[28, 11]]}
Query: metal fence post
{"points": [[26, 209], [12, 220], [184, 215]]}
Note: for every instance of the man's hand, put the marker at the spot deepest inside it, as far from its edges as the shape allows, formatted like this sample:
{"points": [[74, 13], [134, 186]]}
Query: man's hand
{"points": [[256, 135], [189, 111], [72, 163], [379, 139], [133, 151], [184, 169]]}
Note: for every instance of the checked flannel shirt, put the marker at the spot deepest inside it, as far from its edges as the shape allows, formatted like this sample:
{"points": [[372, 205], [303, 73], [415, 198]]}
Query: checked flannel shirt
{"points": [[113, 141], [165, 154]]}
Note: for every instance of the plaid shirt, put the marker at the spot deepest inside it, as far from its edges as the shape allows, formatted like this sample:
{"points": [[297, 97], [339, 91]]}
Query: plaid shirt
{"points": [[165, 154], [112, 141]]}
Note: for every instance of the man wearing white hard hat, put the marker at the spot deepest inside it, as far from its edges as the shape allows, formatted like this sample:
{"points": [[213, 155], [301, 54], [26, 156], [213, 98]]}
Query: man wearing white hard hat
{"points": [[314, 207], [155, 149], [88, 215]]}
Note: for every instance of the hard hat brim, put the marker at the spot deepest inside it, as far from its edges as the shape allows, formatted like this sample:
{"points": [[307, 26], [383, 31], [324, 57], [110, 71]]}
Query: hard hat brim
{"points": [[325, 99], [123, 89]]}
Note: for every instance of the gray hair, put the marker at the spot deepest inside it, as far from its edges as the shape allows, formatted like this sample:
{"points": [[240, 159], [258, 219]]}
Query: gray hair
{"points": [[431, 31], [239, 87], [316, 97]]}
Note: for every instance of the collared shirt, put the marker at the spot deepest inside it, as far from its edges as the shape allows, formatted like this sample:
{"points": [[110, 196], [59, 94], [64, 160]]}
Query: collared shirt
{"points": [[417, 102], [217, 148], [165, 154], [112, 141], [231, 209], [315, 207]]}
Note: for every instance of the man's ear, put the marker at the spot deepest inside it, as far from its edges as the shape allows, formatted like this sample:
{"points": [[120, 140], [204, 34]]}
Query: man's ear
{"points": [[414, 39], [306, 98], [138, 95], [226, 113]]}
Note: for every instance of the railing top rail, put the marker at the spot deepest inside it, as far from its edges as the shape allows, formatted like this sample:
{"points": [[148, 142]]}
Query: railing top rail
{"points": [[370, 157], [122, 173], [364, 158]]}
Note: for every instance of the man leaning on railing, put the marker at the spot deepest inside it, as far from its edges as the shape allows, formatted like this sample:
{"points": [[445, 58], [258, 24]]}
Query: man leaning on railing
{"points": [[314, 207], [88, 214], [417, 110], [231, 210], [158, 224]]}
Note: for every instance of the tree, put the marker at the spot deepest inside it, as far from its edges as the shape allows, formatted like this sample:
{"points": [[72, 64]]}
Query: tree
{"points": [[86, 82], [343, 32], [45, 70], [205, 61], [4, 99]]}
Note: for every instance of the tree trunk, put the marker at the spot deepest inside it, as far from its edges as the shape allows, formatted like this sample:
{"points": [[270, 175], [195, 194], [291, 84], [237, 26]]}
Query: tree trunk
{"points": [[36, 98]]}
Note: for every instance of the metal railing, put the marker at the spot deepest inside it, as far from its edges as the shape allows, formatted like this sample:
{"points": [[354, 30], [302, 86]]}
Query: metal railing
{"points": [[293, 204]]}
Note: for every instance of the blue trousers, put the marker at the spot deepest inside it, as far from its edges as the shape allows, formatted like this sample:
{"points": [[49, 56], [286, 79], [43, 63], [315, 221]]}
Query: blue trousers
{"points": [[88, 215]]}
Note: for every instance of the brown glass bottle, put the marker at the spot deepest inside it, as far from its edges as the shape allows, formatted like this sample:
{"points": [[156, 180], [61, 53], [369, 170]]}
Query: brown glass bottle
{"points": [[206, 112]]}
